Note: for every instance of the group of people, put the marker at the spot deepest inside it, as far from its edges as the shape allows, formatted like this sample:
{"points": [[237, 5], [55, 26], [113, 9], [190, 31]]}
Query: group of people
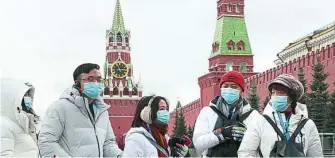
{"points": [[229, 127], [77, 125]]}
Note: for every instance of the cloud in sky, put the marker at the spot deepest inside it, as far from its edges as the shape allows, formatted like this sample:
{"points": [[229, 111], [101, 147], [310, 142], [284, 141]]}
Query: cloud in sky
{"points": [[44, 41]]}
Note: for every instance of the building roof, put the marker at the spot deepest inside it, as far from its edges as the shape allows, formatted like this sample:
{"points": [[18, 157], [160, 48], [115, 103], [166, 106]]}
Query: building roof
{"points": [[118, 23], [314, 34], [232, 28]]}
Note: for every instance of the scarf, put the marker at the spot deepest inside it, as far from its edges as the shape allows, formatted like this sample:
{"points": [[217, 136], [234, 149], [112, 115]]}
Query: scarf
{"points": [[158, 131], [221, 106]]}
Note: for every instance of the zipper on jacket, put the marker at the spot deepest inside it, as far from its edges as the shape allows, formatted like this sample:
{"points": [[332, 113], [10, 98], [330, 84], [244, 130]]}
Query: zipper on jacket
{"points": [[93, 123]]}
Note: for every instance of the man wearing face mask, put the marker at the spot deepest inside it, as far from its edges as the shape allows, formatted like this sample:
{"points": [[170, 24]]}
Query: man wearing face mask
{"points": [[285, 130], [77, 125], [220, 127]]}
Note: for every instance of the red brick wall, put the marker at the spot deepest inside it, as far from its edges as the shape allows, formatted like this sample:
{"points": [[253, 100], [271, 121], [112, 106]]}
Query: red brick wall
{"points": [[327, 59], [190, 111], [121, 115], [209, 82]]}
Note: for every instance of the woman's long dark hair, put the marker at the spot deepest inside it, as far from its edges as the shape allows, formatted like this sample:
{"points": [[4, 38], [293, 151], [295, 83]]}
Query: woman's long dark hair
{"points": [[143, 102]]}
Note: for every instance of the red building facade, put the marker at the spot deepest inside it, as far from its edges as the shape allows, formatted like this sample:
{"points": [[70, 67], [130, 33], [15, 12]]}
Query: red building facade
{"points": [[121, 91], [226, 52]]}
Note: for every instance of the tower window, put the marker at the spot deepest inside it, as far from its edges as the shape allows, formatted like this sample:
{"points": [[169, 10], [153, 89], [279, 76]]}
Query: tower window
{"points": [[215, 47], [229, 66], [127, 40], [115, 91], [229, 7], [241, 45], [243, 67], [119, 37], [111, 39], [231, 45], [238, 8]]}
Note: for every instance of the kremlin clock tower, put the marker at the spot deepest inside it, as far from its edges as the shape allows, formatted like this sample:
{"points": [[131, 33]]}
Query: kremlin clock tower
{"points": [[121, 91]]}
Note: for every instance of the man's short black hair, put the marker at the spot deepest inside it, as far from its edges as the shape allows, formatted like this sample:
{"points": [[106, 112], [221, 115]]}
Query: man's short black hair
{"points": [[84, 68]]}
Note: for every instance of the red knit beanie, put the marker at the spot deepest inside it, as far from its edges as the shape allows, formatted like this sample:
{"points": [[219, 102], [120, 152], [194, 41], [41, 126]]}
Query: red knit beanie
{"points": [[233, 76]]}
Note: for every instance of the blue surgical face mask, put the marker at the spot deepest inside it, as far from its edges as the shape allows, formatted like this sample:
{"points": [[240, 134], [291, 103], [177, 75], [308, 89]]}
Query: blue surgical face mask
{"points": [[28, 102], [163, 116], [279, 103], [230, 95], [92, 89]]}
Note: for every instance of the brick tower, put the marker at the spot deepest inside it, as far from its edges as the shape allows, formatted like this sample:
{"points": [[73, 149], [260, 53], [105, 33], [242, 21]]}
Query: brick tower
{"points": [[231, 48], [121, 91]]}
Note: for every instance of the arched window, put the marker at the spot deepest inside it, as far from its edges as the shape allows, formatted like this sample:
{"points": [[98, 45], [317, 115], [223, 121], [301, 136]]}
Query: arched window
{"points": [[125, 91], [215, 47], [231, 45], [229, 66], [243, 67], [106, 90], [111, 39], [135, 92], [119, 37], [241, 45], [115, 91], [229, 7], [127, 40], [238, 8]]}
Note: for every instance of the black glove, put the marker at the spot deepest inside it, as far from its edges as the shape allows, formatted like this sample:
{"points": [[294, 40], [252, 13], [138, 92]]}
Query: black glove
{"points": [[235, 132], [179, 146]]}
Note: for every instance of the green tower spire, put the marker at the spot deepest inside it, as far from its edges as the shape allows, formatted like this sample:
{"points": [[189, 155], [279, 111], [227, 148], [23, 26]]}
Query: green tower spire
{"points": [[118, 24], [231, 36]]}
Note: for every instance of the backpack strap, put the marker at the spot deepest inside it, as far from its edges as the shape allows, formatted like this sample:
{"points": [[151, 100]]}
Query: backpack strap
{"points": [[259, 152], [219, 113], [154, 143], [275, 127], [245, 115], [298, 129]]}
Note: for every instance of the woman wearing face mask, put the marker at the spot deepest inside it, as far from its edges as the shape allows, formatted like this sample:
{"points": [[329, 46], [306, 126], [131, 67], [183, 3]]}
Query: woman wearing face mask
{"points": [[148, 135], [18, 119], [220, 127], [285, 130]]}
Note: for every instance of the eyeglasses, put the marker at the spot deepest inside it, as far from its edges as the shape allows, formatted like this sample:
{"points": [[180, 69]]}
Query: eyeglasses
{"points": [[93, 79]]}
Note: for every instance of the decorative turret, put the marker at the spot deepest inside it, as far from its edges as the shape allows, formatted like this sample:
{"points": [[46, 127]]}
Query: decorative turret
{"points": [[139, 85], [178, 104]]}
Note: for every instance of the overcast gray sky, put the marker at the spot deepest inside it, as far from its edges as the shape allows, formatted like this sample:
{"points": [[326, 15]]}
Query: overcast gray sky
{"points": [[43, 41]]}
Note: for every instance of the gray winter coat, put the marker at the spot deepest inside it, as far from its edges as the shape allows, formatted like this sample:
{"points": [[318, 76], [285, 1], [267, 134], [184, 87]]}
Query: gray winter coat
{"points": [[67, 129]]}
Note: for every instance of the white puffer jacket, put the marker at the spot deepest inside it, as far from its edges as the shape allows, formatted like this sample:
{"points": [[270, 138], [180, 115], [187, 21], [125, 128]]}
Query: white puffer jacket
{"points": [[18, 128], [264, 136], [137, 145], [203, 136]]}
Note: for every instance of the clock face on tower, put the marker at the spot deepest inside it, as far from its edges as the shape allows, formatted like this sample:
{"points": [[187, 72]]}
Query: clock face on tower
{"points": [[119, 69]]}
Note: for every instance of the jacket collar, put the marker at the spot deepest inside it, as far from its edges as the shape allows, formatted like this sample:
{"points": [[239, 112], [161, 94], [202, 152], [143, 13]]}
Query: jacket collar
{"points": [[72, 94], [243, 106], [295, 118]]}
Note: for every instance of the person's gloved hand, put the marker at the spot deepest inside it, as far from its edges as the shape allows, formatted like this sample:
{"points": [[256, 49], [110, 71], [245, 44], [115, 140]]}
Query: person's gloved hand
{"points": [[235, 132], [180, 150], [179, 146]]}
